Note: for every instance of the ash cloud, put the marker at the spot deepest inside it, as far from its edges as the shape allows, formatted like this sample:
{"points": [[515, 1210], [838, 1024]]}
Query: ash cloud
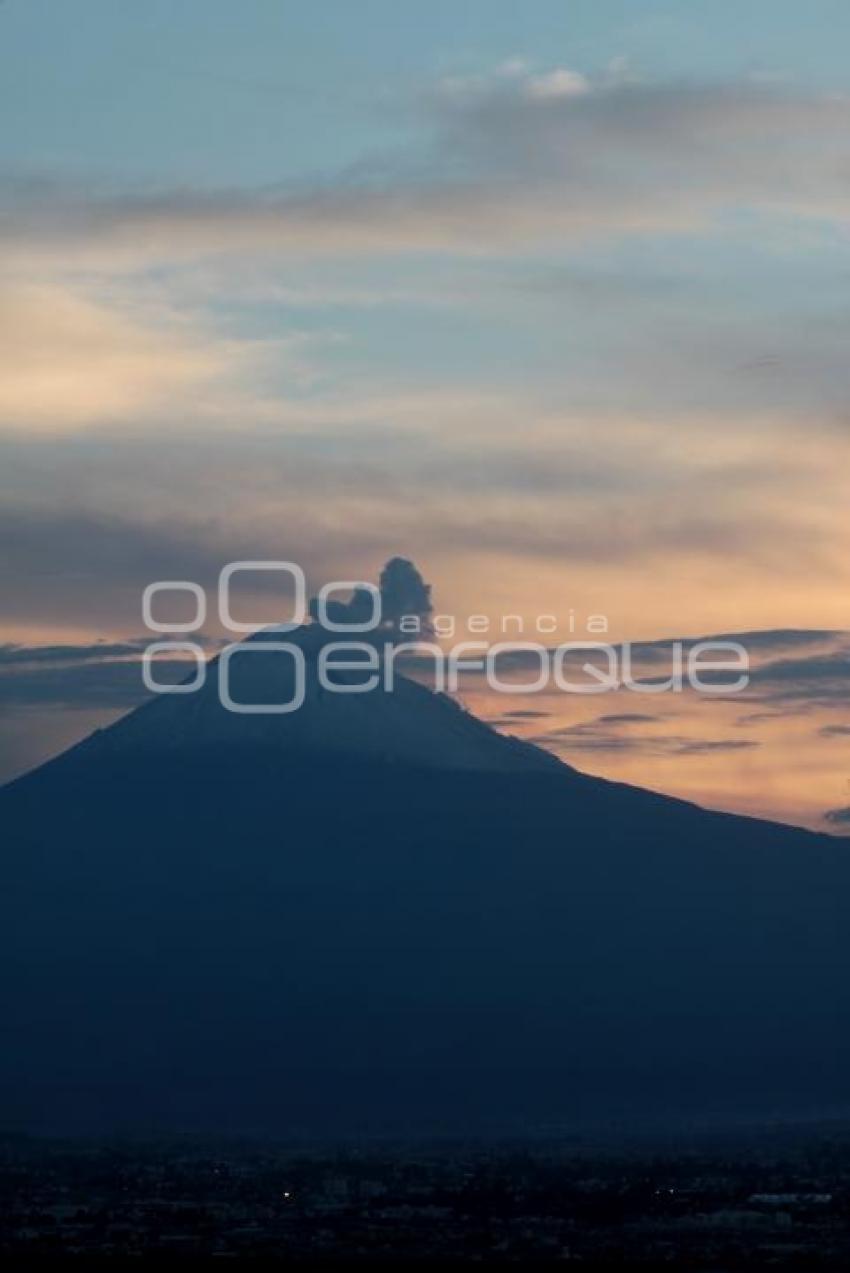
{"points": [[404, 595]]}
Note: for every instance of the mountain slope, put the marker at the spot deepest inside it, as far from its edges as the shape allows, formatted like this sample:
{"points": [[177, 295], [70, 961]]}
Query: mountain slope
{"points": [[250, 923], [407, 724]]}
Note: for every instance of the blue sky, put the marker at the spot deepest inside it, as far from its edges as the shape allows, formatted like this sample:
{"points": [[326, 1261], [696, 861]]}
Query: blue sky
{"points": [[552, 288], [210, 91]]}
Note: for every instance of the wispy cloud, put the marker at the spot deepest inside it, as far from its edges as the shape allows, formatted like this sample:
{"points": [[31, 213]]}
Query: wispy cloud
{"points": [[69, 357], [602, 735], [511, 158]]}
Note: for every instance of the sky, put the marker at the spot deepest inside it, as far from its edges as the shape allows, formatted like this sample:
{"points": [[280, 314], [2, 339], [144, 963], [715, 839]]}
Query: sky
{"points": [[551, 298]]}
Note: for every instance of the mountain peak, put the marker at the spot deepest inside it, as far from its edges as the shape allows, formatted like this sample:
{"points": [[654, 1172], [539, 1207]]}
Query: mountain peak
{"points": [[402, 722]]}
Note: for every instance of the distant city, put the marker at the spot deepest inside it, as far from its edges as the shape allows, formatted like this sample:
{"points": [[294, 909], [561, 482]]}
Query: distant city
{"points": [[767, 1199]]}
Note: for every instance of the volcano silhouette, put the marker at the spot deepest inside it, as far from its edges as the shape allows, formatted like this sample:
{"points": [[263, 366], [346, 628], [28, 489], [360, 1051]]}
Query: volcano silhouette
{"points": [[376, 914]]}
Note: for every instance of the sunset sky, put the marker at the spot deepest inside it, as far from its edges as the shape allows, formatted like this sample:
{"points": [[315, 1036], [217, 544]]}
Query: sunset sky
{"points": [[552, 298]]}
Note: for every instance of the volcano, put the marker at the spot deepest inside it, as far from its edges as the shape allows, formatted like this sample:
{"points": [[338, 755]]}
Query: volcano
{"points": [[376, 914]]}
